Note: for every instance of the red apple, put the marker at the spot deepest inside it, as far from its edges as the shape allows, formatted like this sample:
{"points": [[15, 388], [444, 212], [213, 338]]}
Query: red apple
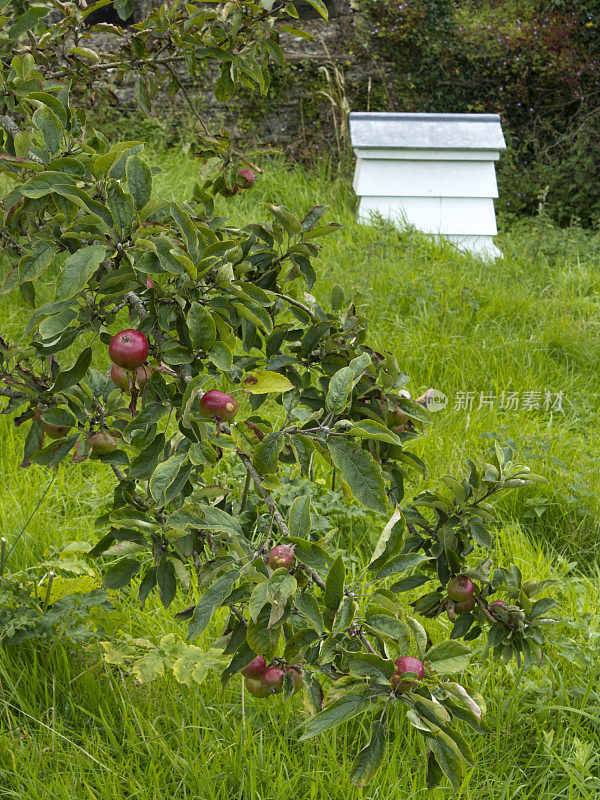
{"points": [[122, 378], [498, 604], [255, 687], [272, 680], [255, 668], [56, 431], [149, 282], [406, 664], [218, 404], [281, 555], [128, 349], [460, 589], [102, 443], [247, 178]]}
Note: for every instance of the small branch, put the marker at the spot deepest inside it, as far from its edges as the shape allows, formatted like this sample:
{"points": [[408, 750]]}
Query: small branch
{"points": [[298, 304], [239, 615], [275, 512], [11, 127], [187, 97], [484, 608], [366, 642]]}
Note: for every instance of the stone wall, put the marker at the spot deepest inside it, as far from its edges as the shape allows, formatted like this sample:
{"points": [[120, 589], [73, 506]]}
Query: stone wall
{"points": [[295, 113]]}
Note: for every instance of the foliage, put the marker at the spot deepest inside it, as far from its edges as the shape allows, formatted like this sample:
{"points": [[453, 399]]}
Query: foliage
{"points": [[195, 500], [535, 64]]}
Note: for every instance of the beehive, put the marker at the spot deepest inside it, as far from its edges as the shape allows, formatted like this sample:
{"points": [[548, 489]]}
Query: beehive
{"points": [[435, 172]]}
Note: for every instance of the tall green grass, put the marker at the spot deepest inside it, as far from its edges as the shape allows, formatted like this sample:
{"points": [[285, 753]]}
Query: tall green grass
{"points": [[70, 727]]}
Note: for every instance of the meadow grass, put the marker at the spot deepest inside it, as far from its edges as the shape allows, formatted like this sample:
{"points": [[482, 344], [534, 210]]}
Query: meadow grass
{"points": [[71, 727]]}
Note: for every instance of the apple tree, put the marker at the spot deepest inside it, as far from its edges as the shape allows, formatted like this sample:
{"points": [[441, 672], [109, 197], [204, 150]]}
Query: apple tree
{"points": [[227, 381]]}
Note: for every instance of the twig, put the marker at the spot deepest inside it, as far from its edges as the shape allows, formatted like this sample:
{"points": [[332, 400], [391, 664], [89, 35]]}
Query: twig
{"points": [[366, 642], [11, 127], [275, 512], [298, 304]]}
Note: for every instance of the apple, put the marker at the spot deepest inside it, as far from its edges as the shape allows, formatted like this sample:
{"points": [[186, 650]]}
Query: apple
{"points": [[396, 417], [218, 404], [56, 431], [272, 680], [102, 443], [149, 282], [406, 664], [460, 589], [122, 378], [281, 555], [466, 606], [255, 668], [247, 177], [297, 678], [128, 349], [255, 687], [498, 604]]}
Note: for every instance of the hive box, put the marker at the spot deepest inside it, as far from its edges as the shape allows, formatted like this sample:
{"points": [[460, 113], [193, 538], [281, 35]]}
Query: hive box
{"points": [[432, 171]]}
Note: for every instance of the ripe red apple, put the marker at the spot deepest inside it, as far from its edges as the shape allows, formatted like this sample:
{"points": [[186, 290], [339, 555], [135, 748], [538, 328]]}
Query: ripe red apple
{"points": [[122, 378], [218, 404], [149, 282], [255, 668], [102, 443], [56, 431], [247, 178], [272, 680], [460, 589], [281, 555], [255, 687], [498, 604], [128, 349], [406, 664]]}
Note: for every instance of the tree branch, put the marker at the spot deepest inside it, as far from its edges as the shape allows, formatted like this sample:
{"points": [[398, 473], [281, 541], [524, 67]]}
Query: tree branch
{"points": [[275, 512], [11, 127]]}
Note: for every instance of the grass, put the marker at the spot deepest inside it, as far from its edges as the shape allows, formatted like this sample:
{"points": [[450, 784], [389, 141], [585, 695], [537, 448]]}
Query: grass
{"points": [[73, 728]]}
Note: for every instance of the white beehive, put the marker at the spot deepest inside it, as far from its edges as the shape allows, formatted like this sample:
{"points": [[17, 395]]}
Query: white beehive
{"points": [[432, 171]]}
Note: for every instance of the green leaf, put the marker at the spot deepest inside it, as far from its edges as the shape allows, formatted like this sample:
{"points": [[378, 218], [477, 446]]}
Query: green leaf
{"points": [[371, 665], [390, 626], [313, 217], [120, 204], [142, 95], [334, 585], [449, 656], [258, 599], [213, 596], [45, 183], [267, 452], [120, 574], [33, 265], [381, 548], [299, 517], [70, 377], [262, 638], [401, 564], [340, 388], [370, 758], [139, 180], [46, 121], [307, 604], [347, 707], [165, 578], [163, 477], [287, 220], [319, 6], [78, 269], [203, 331], [370, 429], [265, 382], [344, 615], [196, 663], [448, 757], [146, 462], [361, 473]]}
